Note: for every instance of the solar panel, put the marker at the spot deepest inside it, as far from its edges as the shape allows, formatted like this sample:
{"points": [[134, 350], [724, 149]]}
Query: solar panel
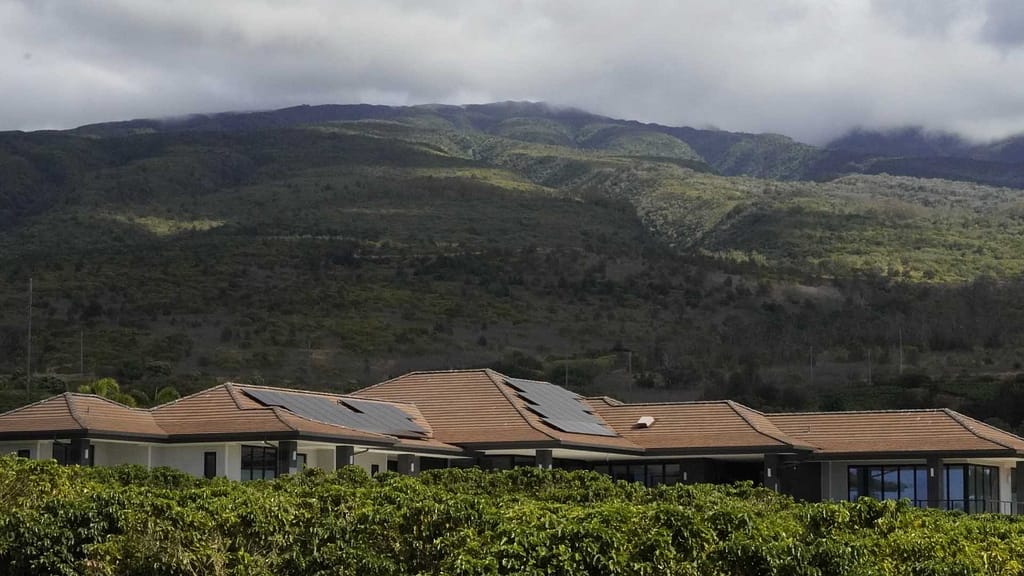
{"points": [[358, 414], [559, 408]]}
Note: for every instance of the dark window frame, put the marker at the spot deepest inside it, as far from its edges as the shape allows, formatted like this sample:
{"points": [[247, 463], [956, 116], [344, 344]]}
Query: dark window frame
{"points": [[210, 464], [259, 462], [888, 482]]}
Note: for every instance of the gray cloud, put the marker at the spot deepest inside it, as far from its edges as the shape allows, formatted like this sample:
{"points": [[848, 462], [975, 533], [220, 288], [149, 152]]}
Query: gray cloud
{"points": [[807, 68], [1004, 24]]}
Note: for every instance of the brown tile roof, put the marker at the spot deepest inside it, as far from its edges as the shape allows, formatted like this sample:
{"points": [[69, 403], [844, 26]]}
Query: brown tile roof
{"points": [[53, 414], [697, 427], [896, 431], [73, 412], [221, 411], [477, 408], [226, 410]]}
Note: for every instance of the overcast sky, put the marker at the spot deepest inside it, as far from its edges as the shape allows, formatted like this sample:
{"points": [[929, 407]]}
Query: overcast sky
{"points": [[807, 68]]}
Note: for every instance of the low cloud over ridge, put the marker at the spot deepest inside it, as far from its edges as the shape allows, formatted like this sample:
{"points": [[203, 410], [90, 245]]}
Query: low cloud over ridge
{"points": [[806, 68]]}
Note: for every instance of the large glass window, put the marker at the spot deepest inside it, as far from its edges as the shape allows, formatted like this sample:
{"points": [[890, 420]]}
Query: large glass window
{"points": [[647, 473], [972, 488], [889, 483], [259, 462]]}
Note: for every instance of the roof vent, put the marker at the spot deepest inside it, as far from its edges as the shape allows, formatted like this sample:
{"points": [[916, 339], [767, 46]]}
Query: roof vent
{"points": [[645, 422]]}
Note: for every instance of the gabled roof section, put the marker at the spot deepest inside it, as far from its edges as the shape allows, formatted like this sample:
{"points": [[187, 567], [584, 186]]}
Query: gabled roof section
{"points": [[71, 413], [697, 427], [479, 409], [897, 431]]}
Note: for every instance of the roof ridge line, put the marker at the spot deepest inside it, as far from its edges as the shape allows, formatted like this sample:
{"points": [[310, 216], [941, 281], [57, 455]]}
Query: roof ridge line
{"points": [[416, 372], [154, 409], [669, 403], [959, 418], [827, 412], [73, 411], [277, 414], [334, 395], [37, 402], [732, 404]]}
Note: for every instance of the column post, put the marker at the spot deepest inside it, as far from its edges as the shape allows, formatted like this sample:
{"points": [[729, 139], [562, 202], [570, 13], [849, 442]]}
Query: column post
{"points": [[1018, 486], [81, 452], [408, 464], [344, 456], [936, 482], [772, 464], [544, 459], [287, 457]]}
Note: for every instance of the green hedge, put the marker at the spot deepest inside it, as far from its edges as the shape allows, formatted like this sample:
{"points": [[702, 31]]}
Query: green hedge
{"points": [[129, 520]]}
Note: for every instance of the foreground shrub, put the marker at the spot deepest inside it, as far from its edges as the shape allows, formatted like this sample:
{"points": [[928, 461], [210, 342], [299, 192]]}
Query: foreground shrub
{"points": [[128, 520]]}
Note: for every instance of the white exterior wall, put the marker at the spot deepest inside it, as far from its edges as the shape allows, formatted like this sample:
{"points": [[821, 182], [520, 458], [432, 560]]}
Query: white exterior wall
{"points": [[367, 459], [44, 451], [231, 457], [322, 458], [1005, 487], [116, 453], [188, 459], [13, 447]]}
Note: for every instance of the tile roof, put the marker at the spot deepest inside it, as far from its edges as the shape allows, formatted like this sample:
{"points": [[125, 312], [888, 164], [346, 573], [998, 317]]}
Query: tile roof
{"points": [[896, 431], [73, 412], [477, 408], [697, 427], [226, 410], [221, 411]]}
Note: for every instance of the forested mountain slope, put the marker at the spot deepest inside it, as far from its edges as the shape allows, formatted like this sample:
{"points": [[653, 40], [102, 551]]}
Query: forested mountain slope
{"points": [[334, 246]]}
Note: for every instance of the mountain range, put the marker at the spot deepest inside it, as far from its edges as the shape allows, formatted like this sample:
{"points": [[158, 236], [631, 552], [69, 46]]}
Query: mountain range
{"points": [[332, 246]]}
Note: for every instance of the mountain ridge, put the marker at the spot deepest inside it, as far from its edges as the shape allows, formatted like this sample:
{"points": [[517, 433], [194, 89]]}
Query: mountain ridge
{"points": [[908, 151], [545, 243]]}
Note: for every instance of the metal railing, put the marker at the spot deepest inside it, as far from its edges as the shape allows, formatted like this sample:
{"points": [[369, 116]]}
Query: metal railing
{"points": [[976, 506]]}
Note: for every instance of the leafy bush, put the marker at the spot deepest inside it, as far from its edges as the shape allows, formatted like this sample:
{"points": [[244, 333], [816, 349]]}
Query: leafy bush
{"points": [[128, 520]]}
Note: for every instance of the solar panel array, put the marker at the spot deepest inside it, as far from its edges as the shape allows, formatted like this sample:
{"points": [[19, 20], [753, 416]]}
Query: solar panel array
{"points": [[358, 414], [559, 407]]}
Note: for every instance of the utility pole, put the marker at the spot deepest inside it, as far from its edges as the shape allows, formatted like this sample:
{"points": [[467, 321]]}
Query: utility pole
{"points": [[900, 339], [812, 365], [28, 347], [81, 351], [869, 366]]}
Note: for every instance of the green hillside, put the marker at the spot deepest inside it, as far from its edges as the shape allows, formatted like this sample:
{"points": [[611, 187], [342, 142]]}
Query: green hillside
{"points": [[313, 251]]}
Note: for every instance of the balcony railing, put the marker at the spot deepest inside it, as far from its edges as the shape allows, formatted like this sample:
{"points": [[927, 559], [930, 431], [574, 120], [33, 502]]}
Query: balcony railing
{"points": [[972, 506]]}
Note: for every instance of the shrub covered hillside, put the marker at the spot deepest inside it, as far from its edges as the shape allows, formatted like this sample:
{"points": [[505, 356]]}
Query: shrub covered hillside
{"points": [[57, 520]]}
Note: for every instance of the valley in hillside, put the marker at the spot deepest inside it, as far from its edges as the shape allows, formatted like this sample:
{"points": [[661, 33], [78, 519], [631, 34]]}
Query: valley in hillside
{"points": [[332, 247]]}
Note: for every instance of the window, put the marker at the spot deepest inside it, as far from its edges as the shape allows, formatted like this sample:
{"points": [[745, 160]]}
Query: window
{"points": [[374, 469], [25, 453], [61, 453], [649, 473], [210, 464], [300, 461], [888, 483], [259, 462], [972, 488]]}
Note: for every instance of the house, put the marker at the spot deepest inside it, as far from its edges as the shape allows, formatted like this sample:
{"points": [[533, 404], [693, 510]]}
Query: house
{"points": [[424, 420]]}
